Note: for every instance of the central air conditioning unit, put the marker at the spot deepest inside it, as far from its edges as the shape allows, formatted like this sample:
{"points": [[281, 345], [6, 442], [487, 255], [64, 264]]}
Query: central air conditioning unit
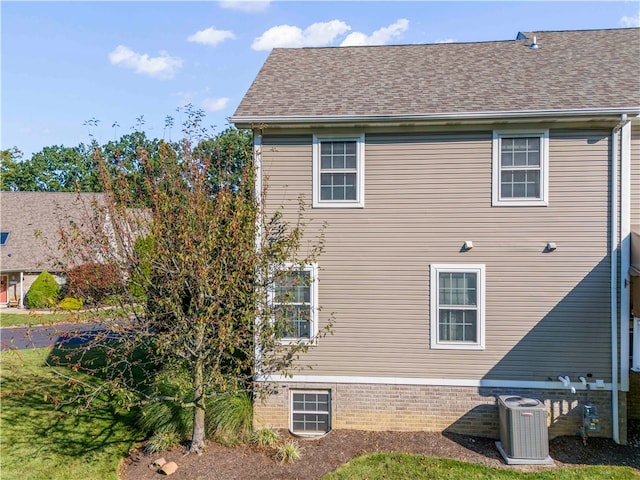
{"points": [[524, 438]]}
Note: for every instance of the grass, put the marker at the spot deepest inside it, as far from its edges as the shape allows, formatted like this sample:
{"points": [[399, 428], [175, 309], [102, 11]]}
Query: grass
{"points": [[41, 442], [28, 319], [266, 437], [380, 466], [36, 318], [289, 452]]}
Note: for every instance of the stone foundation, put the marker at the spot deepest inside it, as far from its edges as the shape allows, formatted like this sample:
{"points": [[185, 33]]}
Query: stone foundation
{"points": [[468, 410]]}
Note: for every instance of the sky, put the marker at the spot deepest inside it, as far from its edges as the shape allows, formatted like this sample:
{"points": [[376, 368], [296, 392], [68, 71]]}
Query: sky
{"points": [[76, 71]]}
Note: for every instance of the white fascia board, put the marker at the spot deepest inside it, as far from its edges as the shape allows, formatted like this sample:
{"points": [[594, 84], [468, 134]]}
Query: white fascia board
{"points": [[302, 120], [440, 382]]}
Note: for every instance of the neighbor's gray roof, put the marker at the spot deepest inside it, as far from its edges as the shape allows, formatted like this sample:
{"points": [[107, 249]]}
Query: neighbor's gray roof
{"points": [[34, 220], [571, 70]]}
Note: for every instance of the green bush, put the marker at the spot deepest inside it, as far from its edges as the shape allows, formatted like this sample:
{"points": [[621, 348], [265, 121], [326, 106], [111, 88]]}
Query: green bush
{"points": [[70, 303], [44, 292], [141, 273]]}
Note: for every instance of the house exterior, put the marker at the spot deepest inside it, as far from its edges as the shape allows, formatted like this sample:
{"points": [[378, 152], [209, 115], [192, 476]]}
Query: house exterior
{"points": [[30, 225], [479, 201]]}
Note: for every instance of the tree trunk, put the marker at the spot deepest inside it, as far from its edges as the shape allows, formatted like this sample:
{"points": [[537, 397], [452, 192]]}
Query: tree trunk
{"points": [[198, 433], [197, 440]]}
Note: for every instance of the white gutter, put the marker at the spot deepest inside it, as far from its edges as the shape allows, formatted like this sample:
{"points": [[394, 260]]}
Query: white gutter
{"points": [[625, 249], [444, 116]]}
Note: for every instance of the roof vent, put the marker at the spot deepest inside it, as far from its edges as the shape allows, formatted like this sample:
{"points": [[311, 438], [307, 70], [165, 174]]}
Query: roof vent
{"points": [[534, 44]]}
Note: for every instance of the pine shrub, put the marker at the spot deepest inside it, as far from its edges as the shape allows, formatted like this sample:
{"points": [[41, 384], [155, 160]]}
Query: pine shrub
{"points": [[44, 292]]}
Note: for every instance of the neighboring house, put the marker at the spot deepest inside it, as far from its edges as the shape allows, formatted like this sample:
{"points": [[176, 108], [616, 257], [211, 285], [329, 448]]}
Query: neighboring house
{"points": [[479, 199], [30, 225]]}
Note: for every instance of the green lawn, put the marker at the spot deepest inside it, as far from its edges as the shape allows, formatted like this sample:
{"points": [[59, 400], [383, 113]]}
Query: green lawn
{"points": [[27, 319], [40, 442], [34, 318], [380, 466]]}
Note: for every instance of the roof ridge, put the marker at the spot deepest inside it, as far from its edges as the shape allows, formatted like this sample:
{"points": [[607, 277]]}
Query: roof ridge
{"points": [[524, 32]]}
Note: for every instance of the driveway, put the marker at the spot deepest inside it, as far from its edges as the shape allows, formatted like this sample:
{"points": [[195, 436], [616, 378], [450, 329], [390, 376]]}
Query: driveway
{"points": [[21, 338]]}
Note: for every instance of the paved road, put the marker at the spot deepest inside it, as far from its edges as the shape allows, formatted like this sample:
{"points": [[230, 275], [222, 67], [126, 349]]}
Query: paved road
{"points": [[47, 336]]}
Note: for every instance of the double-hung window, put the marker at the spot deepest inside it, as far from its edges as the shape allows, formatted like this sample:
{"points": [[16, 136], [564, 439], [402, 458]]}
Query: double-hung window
{"points": [[520, 168], [310, 412], [338, 171], [457, 306], [294, 299]]}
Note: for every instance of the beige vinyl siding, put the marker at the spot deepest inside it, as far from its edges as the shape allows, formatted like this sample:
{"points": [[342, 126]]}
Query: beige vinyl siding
{"points": [[635, 174], [425, 194]]}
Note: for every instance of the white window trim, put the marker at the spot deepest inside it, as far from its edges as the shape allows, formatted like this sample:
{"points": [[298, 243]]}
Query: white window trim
{"points": [[544, 168], [313, 328], [359, 201], [304, 434], [478, 269]]}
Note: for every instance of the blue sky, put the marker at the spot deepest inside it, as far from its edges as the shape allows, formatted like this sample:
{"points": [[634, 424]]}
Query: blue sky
{"points": [[67, 63]]}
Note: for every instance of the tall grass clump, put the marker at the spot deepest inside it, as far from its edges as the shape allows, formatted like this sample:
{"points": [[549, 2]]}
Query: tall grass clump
{"points": [[266, 437], [230, 417], [288, 452]]}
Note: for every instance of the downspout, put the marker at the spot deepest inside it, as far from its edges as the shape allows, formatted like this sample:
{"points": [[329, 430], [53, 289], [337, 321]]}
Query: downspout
{"points": [[625, 249], [615, 414], [614, 285]]}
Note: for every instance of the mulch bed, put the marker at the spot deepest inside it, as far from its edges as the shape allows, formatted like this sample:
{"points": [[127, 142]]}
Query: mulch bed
{"points": [[326, 454]]}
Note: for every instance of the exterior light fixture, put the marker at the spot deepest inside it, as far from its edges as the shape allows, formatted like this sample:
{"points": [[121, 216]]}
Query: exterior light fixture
{"points": [[551, 246], [467, 245]]}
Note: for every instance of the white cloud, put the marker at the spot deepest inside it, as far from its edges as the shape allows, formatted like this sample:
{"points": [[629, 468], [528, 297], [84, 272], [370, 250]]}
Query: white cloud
{"points": [[315, 35], [630, 21], [379, 37], [163, 66], [445, 40], [215, 104], [246, 5], [211, 36]]}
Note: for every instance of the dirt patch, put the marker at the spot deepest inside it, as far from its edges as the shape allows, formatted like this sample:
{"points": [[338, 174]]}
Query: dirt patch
{"points": [[326, 454]]}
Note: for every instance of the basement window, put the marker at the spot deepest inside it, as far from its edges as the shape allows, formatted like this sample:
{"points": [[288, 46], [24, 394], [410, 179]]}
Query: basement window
{"points": [[310, 412], [4, 236]]}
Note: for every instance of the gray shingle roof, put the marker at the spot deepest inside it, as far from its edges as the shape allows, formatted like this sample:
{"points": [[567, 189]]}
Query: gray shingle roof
{"points": [[33, 220], [572, 70]]}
